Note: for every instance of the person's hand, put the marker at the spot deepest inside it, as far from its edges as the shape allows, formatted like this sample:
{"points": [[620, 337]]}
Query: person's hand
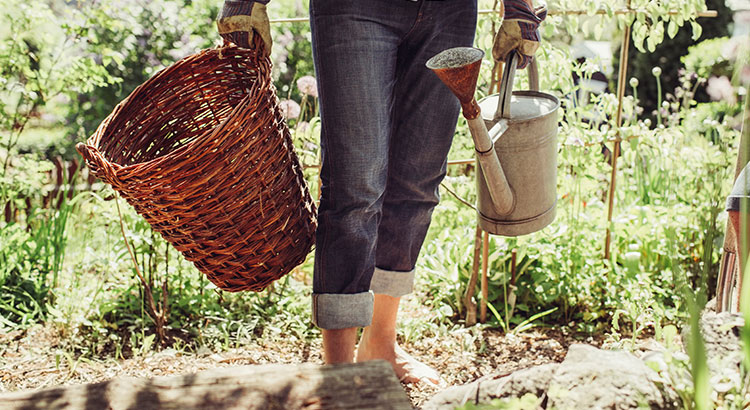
{"points": [[240, 19], [519, 31]]}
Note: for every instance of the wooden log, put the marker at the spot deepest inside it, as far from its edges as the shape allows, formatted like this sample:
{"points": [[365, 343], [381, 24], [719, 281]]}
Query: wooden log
{"points": [[369, 385]]}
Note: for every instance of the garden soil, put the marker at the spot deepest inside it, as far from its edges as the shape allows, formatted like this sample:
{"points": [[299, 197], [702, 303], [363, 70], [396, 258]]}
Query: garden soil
{"points": [[32, 359]]}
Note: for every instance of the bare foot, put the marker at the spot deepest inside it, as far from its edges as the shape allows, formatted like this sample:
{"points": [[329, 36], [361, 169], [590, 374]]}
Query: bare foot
{"points": [[407, 368]]}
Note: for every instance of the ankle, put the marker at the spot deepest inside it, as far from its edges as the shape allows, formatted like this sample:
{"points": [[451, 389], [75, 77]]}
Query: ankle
{"points": [[338, 345], [379, 336]]}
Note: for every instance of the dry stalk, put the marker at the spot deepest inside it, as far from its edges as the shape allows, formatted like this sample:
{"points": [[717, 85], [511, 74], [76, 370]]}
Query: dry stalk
{"points": [[159, 316]]}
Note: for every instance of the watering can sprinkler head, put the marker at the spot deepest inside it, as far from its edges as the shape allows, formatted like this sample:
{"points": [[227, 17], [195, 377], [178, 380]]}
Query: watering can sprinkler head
{"points": [[458, 68]]}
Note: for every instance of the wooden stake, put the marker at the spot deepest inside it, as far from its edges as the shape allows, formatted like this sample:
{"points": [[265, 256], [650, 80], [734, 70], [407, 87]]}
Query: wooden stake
{"points": [[469, 303], [485, 292], [616, 151]]}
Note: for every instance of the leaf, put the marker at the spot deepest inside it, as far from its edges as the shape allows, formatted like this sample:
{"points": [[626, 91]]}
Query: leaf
{"points": [[591, 8], [669, 333], [585, 28], [672, 29], [497, 316], [609, 9], [697, 30], [598, 29], [529, 323], [573, 24]]}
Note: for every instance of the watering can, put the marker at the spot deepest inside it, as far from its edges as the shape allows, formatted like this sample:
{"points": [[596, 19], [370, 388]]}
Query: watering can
{"points": [[515, 136]]}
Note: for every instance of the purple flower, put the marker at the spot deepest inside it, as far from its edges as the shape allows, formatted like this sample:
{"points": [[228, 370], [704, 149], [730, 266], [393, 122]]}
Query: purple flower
{"points": [[290, 109], [308, 86]]}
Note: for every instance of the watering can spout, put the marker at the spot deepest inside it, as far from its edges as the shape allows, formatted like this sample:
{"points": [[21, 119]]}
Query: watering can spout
{"points": [[458, 68]]}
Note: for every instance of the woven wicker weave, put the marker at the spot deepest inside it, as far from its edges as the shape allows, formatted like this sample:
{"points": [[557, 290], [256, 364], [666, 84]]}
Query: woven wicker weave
{"points": [[201, 150]]}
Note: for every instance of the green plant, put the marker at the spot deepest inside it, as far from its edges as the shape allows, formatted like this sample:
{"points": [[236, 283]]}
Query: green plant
{"points": [[701, 392], [38, 64], [525, 402], [668, 53], [707, 58], [33, 249], [131, 42]]}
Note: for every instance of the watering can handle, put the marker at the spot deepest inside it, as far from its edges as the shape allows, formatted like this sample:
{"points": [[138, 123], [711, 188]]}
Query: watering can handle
{"points": [[506, 84]]}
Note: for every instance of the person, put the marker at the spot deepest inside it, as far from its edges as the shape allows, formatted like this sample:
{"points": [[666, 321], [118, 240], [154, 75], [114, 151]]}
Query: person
{"points": [[387, 123]]}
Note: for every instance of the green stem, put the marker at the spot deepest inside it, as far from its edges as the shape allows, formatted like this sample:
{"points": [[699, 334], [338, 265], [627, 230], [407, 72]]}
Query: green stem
{"points": [[635, 105], [745, 290], [658, 100]]}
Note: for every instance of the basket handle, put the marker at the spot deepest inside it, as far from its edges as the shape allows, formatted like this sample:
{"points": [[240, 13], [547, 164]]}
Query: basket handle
{"points": [[258, 47], [102, 168]]}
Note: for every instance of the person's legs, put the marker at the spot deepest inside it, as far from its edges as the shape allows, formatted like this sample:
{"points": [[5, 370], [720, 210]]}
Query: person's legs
{"points": [[425, 114], [355, 47], [379, 342], [338, 345]]}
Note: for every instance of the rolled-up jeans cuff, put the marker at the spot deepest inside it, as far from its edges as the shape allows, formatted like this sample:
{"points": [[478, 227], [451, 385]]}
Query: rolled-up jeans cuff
{"points": [[392, 283], [341, 311]]}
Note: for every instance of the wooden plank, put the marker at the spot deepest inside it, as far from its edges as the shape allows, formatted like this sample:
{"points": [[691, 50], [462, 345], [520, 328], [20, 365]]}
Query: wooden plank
{"points": [[369, 385]]}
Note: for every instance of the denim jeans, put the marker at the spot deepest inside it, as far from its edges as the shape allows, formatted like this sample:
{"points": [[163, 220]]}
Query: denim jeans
{"points": [[387, 123]]}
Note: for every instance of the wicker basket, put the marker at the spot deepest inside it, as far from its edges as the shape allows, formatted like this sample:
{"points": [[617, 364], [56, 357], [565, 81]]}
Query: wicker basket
{"points": [[202, 152]]}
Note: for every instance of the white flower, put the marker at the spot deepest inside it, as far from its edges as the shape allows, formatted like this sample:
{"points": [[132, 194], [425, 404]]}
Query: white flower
{"points": [[574, 141], [289, 108], [720, 89], [656, 71], [633, 82], [308, 86], [303, 127], [745, 74]]}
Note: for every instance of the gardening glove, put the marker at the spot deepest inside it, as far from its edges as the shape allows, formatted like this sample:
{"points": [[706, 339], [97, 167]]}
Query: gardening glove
{"points": [[519, 32], [240, 19]]}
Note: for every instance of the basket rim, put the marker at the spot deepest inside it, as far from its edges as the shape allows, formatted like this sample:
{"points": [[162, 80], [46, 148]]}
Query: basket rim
{"points": [[227, 50]]}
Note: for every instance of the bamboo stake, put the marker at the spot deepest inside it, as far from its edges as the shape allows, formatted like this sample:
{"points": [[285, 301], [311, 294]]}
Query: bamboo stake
{"points": [[707, 13], [616, 152], [485, 292], [511, 296], [469, 303]]}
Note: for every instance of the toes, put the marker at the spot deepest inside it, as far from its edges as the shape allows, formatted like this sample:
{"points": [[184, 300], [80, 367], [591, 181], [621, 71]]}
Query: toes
{"points": [[418, 373]]}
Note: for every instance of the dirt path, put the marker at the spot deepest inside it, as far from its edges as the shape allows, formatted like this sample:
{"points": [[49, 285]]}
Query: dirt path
{"points": [[32, 359]]}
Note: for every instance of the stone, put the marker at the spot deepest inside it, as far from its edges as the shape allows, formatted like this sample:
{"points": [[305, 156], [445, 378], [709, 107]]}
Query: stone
{"points": [[532, 380], [721, 336], [591, 378], [588, 378]]}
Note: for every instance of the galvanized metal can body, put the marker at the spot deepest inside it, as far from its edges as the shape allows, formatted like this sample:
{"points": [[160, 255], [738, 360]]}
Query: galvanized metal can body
{"points": [[528, 154]]}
